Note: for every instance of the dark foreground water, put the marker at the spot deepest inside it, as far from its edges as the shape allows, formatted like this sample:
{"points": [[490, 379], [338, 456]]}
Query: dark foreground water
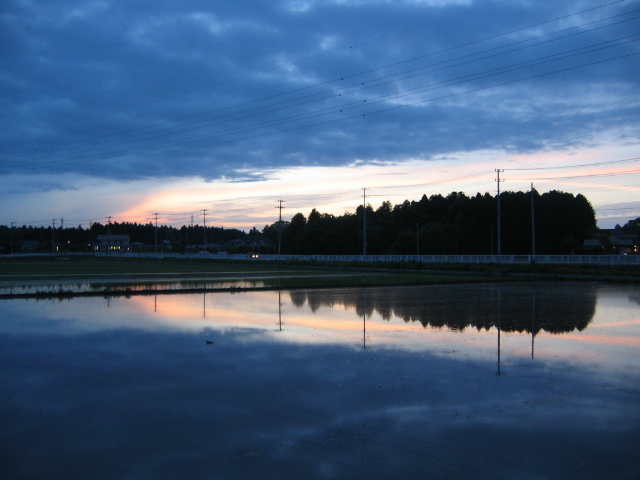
{"points": [[510, 381]]}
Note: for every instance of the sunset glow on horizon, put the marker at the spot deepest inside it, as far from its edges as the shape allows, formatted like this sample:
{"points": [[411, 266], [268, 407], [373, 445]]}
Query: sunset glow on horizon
{"points": [[337, 190]]}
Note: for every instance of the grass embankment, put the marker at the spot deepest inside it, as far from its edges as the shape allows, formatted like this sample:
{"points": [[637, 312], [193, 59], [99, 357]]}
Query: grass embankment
{"points": [[131, 276]]}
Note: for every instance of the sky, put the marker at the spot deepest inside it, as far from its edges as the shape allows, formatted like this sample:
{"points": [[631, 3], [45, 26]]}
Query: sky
{"points": [[202, 111]]}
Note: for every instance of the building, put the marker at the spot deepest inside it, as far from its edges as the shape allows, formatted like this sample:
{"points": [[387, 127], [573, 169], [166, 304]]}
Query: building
{"points": [[111, 243], [30, 245], [612, 241]]}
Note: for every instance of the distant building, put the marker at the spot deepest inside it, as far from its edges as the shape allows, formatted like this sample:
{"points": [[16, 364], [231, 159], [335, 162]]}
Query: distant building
{"points": [[137, 246], [251, 241], [612, 241], [111, 243], [30, 245]]}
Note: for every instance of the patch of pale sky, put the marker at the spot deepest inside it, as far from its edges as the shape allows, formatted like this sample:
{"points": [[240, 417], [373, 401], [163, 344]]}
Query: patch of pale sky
{"points": [[334, 190]]}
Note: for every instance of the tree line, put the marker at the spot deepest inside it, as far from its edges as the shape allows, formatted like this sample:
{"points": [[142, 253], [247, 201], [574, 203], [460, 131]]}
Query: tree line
{"points": [[79, 239], [439, 225], [435, 225]]}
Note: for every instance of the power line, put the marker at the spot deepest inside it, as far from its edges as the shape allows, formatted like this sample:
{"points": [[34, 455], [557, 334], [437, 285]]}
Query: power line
{"points": [[596, 164], [307, 115], [588, 175], [340, 79]]}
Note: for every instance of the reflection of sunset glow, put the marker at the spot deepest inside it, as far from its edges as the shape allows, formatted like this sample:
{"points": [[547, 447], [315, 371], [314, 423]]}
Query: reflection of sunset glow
{"points": [[602, 339], [334, 317], [619, 323]]}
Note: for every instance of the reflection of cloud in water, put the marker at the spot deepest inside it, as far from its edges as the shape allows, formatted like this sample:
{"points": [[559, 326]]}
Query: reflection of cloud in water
{"points": [[134, 403], [635, 298], [523, 308]]}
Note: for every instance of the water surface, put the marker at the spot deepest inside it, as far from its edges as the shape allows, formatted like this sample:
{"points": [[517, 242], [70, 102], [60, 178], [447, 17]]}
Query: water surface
{"points": [[465, 381]]}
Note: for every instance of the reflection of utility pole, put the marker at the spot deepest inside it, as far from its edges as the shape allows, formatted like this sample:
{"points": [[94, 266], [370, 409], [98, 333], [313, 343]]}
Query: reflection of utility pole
{"points": [[364, 220], [533, 323], [280, 309], [499, 325], [280, 207], [364, 329]]}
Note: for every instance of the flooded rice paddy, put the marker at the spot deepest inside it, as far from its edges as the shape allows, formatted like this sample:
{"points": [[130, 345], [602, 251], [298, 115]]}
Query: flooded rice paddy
{"points": [[515, 381]]}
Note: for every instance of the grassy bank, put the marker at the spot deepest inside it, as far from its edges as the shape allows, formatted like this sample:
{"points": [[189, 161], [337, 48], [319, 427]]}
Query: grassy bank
{"points": [[68, 276], [130, 276]]}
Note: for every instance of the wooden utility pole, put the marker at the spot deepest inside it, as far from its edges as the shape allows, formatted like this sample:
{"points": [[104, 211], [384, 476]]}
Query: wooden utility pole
{"points": [[156, 233], [364, 220], [533, 223], [499, 250], [204, 221], [53, 237], [280, 207]]}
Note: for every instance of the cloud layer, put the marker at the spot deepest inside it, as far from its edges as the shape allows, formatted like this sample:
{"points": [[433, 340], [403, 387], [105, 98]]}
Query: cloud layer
{"points": [[130, 91], [120, 109]]}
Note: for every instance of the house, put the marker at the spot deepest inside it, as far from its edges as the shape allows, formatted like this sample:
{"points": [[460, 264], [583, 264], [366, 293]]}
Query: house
{"points": [[30, 245], [111, 243], [624, 243], [251, 241], [612, 241]]}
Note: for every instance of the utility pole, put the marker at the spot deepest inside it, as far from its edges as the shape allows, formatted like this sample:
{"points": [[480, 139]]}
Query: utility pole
{"points": [[53, 237], [204, 220], [364, 221], [280, 207], [499, 213], [11, 239], [156, 233], [109, 233], [533, 223]]}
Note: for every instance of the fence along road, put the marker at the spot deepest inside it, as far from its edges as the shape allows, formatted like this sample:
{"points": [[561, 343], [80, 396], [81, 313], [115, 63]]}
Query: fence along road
{"points": [[611, 260]]}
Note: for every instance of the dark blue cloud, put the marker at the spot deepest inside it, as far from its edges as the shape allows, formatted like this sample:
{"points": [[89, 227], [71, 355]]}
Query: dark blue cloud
{"points": [[136, 90]]}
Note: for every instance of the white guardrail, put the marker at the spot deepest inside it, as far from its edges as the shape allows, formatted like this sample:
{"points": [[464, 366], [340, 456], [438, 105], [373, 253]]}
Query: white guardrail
{"points": [[612, 260]]}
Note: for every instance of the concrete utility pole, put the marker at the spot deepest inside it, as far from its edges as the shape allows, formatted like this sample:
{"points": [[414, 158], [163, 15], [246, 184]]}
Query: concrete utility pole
{"points": [[109, 233], [189, 232], [204, 221], [156, 233], [364, 220], [280, 207], [533, 223], [499, 213], [53, 237]]}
